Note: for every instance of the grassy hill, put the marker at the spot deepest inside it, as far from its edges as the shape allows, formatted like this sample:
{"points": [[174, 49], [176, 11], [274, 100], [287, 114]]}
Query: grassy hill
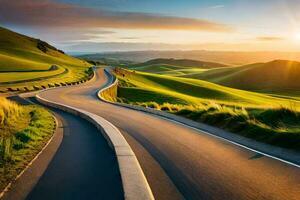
{"points": [[172, 70], [188, 91], [275, 76], [262, 117], [182, 63], [20, 53], [185, 63]]}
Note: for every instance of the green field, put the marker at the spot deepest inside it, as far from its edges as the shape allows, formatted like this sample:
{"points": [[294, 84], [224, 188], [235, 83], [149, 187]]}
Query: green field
{"points": [[25, 60], [166, 69], [263, 117], [279, 77], [6, 77], [24, 130], [180, 63]]}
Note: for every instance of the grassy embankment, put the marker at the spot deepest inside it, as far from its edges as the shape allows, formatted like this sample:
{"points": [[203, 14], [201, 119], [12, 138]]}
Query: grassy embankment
{"points": [[28, 64], [24, 130], [262, 117]]}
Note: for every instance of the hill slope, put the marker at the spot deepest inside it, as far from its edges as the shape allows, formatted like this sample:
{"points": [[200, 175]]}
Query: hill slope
{"points": [[258, 116], [177, 90], [22, 53], [181, 63], [278, 75], [25, 58]]}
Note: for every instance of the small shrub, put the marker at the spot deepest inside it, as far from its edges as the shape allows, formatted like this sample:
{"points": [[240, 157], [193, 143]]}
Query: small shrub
{"points": [[23, 136], [19, 145]]}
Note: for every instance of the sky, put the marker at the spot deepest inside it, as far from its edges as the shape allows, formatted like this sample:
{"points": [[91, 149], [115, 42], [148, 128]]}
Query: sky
{"points": [[121, 25]]}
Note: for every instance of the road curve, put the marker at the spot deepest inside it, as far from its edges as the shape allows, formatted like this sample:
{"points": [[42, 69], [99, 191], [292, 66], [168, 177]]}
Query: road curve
{"points": [[181, 162], [84, 167]]}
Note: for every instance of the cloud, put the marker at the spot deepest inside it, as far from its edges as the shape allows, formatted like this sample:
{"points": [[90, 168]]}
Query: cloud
{"points": [[217, 6], [101, 32], [45, 13], [269, 38], [129, 38]]}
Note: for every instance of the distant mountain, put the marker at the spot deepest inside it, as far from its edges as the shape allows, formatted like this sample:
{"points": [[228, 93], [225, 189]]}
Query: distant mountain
{"points": [[227, 57], [22, 53], [271, 76], [181, 63]]}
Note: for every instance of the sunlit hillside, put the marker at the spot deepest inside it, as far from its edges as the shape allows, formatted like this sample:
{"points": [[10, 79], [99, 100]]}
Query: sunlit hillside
{"points": [[25, 60], [278, 75], [262, 117], [163, 89], [179, 63]]}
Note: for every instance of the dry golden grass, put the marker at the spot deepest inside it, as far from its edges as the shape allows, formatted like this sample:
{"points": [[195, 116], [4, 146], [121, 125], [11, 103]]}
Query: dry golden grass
{"points": [[24, 130]]}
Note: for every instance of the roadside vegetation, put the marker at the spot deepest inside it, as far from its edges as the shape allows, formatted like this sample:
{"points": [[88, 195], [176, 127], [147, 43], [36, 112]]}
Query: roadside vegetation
{"points": [[24, 130], [265, 118]]}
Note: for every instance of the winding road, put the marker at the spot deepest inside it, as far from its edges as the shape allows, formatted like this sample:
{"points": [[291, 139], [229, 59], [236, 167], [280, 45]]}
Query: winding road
{"points": [[180, 162], [84, 166]]}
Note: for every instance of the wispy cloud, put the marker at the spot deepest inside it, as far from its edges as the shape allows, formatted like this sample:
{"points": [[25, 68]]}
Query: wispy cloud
{"points": [[129, 38], [46, 13], [269, 38], [217, 6]]}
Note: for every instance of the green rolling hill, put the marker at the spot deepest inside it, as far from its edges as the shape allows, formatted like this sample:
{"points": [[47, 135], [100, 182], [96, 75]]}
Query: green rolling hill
{"points": [[263, 117], [167, 69], [187, 91], [278, 75], [179, 63], [32, 62]]}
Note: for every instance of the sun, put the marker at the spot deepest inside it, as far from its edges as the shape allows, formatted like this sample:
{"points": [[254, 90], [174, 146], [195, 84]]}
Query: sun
{"points": [[297, 36]]}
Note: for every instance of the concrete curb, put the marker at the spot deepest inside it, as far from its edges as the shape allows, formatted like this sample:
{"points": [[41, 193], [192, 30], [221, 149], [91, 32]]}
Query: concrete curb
{"points": [[284, 155], [30, 175], [135, 185]]}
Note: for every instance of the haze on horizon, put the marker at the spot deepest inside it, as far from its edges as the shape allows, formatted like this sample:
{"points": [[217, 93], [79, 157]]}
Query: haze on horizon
{"points": [[102, 25]]}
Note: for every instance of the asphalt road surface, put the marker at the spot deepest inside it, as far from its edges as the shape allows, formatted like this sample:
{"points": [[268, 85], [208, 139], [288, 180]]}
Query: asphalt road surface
{"points": [[84, 167], [180, 162]]}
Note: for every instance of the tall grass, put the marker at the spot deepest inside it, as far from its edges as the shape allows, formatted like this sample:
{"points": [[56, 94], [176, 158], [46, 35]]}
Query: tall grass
{"points": [[24, 130], [278, 126], [10, 113]]}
